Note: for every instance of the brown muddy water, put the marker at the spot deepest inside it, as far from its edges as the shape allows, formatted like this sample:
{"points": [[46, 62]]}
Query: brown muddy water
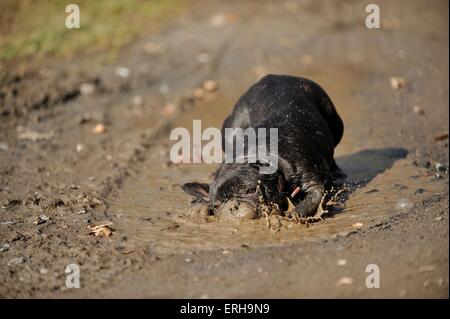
{"points": [[151, 210]]}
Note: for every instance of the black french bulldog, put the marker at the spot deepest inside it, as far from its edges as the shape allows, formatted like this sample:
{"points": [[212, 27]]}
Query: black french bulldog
{"points": [[309, 129]]}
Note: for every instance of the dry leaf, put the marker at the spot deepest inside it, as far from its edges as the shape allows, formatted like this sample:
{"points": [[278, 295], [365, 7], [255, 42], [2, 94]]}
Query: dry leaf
{"points": [[441, 137], [100, 230]]}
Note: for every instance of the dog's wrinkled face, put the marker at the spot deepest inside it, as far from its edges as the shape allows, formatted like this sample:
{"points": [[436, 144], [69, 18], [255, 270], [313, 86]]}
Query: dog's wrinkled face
{"points": [[240, 182]]}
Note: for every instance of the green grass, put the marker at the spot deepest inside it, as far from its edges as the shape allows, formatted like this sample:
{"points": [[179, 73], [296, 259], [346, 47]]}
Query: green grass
{"points": [[31, 29]]}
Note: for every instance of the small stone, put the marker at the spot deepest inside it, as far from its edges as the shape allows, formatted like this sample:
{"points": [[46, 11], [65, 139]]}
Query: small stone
{"points": [[87, 88], [43, 271], [440, 167], [427, 268], [4, 247], [138, 101], [404, 203], [4, 147], [99, 129], [397, 82], [357, 225], [188, 260], [218, 20], [16, 261], [199, 93], [41, 219], [342, 262], [123, 72], [225, 252], [79, 147], [168, 110], [164, 89], [345, 281], [418, 110], [439, 218], [210, 85]]}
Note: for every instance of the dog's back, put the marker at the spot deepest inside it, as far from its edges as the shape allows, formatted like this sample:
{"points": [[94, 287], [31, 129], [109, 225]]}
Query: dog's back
{"points": [[308, 125]]}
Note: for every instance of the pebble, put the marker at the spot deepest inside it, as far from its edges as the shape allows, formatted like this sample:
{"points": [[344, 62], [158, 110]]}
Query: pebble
{"points": [[345, 281], [41, 219], [4, 247], [418, 110], [43, 271], [16, 261], [79, 147], [218, 20], [199, 93], [99, 129], [440, 167], [123, 72], [210, 85], [87, 88], [138, 101], [439, 218], [427, 268], [168, 110], [164, 89], [342, 262], [4, 147], [397, 82], [404, 203], [357, 225], [188, 260]]}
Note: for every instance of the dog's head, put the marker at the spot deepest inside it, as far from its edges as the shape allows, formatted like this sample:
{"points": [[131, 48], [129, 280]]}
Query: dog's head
{"points": [[242, 183]]}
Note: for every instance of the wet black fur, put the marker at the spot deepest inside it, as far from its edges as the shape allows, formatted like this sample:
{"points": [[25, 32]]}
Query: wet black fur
{"points": [[309, 129]]}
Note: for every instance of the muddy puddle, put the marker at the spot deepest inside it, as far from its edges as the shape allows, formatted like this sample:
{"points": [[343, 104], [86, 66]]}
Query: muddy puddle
{"points": [[151, 209]]}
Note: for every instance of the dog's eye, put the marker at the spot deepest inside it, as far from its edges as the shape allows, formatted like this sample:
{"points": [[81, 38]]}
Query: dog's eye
{"points": [[250, 190]]}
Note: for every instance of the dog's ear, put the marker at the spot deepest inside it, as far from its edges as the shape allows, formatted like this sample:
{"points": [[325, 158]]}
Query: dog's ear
{"points": [[199, 190]]}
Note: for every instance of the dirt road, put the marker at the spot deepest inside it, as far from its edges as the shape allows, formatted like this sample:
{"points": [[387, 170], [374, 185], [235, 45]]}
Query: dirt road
{"points": [[86, 144]]}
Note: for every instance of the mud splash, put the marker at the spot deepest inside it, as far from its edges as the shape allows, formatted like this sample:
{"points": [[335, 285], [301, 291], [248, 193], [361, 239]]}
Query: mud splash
{"points": [[382, 182]]}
